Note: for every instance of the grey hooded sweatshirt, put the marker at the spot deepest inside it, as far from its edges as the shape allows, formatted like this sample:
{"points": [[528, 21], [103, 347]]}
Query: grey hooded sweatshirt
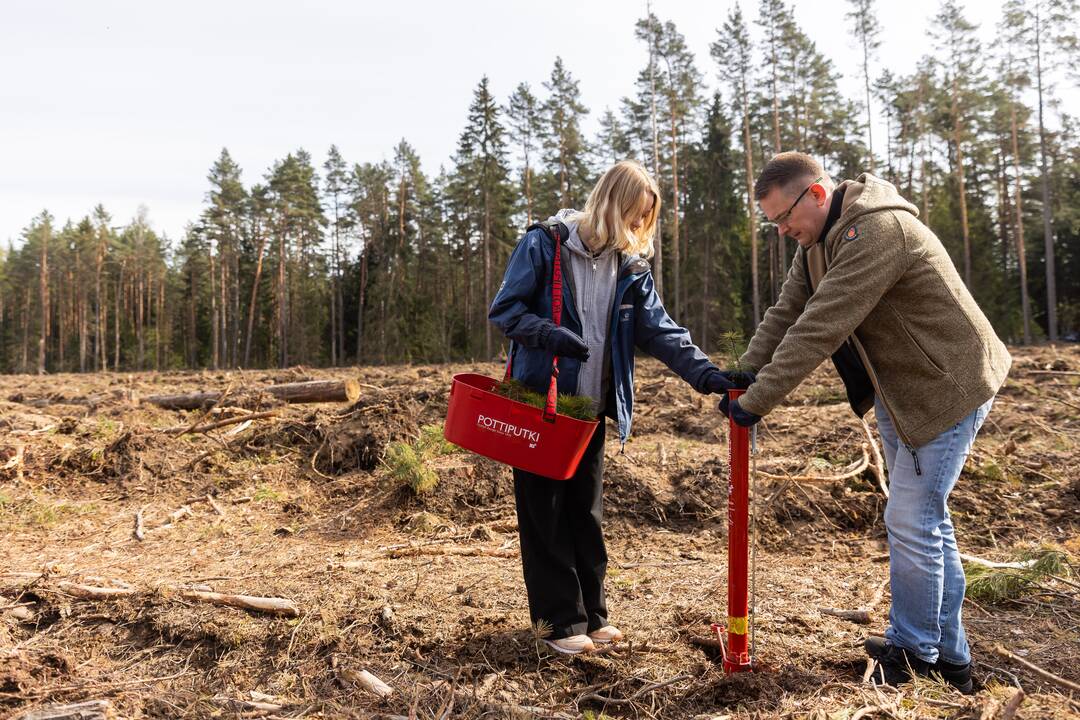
{"points": [[593, 278]]}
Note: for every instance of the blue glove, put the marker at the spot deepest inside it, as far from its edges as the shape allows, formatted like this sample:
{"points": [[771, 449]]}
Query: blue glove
{"points": [[745, 418]]}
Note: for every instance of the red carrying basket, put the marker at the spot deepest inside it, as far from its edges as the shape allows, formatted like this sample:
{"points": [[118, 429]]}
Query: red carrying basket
{"points": [[512, 432]]}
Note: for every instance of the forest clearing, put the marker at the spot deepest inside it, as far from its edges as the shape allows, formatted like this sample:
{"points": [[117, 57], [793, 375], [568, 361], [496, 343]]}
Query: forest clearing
{"points": [[265, 559]]}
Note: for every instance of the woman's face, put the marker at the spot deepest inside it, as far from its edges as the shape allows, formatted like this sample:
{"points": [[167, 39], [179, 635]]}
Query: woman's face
{"points": [[640, 215]]}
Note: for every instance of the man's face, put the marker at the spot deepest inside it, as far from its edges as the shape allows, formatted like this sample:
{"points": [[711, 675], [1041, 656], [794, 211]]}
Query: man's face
{"points": [[799, 213]]}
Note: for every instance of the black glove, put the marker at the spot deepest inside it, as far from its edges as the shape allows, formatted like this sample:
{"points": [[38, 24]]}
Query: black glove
{"points": [[718, 382], [745, 418], [741, 380], [564, 343]]}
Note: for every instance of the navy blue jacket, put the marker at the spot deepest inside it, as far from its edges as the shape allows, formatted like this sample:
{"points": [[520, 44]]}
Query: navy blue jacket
{"points": [[638, 318]]}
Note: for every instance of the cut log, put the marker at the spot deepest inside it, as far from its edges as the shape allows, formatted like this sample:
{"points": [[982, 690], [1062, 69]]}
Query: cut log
{"points": [[271, 605], [317, 391], [314, 391], [92, 710]]}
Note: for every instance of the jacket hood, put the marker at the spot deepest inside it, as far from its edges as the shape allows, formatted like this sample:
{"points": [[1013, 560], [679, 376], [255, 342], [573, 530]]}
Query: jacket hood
{"points": [[568, 217], [869, 194]]}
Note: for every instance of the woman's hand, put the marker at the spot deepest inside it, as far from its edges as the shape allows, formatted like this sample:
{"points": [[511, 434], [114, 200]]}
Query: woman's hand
{"points": [[564, 343]]}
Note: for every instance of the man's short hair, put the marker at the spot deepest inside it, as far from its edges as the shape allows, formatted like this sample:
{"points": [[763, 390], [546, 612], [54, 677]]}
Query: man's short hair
{"points": [[784, 170]]}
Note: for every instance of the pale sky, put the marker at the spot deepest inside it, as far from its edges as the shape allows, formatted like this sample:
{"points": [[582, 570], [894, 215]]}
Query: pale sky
{"points": [[129, 103]]}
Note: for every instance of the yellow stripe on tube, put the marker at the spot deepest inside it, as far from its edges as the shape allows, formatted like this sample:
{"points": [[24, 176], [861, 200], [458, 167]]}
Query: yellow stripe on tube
{"points": [[737, 625]]}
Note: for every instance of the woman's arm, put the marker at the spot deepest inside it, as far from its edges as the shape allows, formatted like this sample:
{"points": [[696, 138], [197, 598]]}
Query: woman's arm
{"points": [[657, 334], [510, 311]]}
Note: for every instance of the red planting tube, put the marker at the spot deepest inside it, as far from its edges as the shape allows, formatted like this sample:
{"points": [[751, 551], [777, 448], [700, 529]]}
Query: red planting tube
{"points": [[737, 657]]}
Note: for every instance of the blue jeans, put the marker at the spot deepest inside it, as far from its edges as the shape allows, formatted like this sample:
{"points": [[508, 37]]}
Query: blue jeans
{"points": [[925, 573]]}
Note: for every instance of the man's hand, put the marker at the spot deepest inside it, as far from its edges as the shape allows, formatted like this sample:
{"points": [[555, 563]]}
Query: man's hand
{"points": [[741, 417], [566, 343]]}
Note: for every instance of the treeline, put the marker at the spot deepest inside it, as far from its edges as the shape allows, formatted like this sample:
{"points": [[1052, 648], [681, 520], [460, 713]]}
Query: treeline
{"points": [[340, 262]]}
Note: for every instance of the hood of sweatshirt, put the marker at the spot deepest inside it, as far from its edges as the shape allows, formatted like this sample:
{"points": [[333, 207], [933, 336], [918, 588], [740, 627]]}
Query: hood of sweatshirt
{"points": [[868, 194]]}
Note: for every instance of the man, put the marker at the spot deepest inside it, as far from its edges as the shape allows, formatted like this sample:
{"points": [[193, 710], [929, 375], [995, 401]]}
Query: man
{"points": [[874, 288]]}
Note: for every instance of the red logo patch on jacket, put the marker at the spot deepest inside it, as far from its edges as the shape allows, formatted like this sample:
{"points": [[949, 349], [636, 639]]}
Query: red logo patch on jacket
{"points": [[852, 233]]}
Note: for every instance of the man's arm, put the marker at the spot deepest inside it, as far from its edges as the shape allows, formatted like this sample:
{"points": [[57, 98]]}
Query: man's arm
{"points": [[778, 318], [862, 271]]}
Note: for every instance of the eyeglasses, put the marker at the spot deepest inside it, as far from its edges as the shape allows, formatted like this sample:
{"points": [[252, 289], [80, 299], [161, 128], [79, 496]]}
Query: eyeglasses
{"points": [[784, 216]]}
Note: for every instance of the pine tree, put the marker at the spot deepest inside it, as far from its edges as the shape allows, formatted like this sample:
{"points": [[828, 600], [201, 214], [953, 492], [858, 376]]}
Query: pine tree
{"points": [[565, 149], [867, 32], [732, 53], [526, 126], [963, 73]]}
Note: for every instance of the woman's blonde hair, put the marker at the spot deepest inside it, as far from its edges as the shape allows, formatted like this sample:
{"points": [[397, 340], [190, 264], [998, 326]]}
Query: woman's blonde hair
{"points": [[617, 199]]}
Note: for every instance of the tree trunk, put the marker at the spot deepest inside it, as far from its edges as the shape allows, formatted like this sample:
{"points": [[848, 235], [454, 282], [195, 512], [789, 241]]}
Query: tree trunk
{"points": [[750, 211], [215, 328], [254, 297], [99, 348], [43, 287], [1018, 227], [283, 352], [658, 238], [676, 260], [961, 188], [116, 320], [487, 271], [1048, 224], [315, 391], [869, 119], [360, 305]]}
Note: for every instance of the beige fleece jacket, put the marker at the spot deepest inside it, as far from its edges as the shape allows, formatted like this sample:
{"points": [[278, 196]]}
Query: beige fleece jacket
{"points": [[884, 279]]}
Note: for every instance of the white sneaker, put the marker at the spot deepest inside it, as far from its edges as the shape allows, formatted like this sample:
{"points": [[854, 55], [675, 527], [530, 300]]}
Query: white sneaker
{"points": [[606, 634], [573, 645]]}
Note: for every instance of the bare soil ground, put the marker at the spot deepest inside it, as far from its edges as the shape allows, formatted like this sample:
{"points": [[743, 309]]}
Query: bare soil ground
{"points": [[425, 591]]}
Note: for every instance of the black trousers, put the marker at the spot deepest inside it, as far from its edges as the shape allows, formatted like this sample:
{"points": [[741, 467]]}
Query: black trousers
{"points": [[562, 544]]}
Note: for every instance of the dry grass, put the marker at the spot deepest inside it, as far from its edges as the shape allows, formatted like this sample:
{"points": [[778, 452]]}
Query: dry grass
{"points": [[307, 515]]}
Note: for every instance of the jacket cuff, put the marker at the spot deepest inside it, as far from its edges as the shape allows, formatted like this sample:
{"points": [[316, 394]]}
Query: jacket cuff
{"points": [[748, 402]]}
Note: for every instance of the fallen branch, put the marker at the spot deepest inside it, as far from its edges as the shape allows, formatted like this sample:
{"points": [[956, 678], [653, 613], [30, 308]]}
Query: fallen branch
{"points": [[90, 710], [453, 550], [1052, 372], [270, 605], [997, 565], [176, 516], [140, 530], [367, 681], [651, 687], [879, 463], [860, 616], [848, 472], [91, 592], [1044, 674], [248, 704], [230, 421], [203, 416], [213, 503]]}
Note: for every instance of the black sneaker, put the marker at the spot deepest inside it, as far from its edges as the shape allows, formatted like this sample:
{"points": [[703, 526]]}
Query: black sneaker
{"points": [[896, 663], [959, 676]]}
